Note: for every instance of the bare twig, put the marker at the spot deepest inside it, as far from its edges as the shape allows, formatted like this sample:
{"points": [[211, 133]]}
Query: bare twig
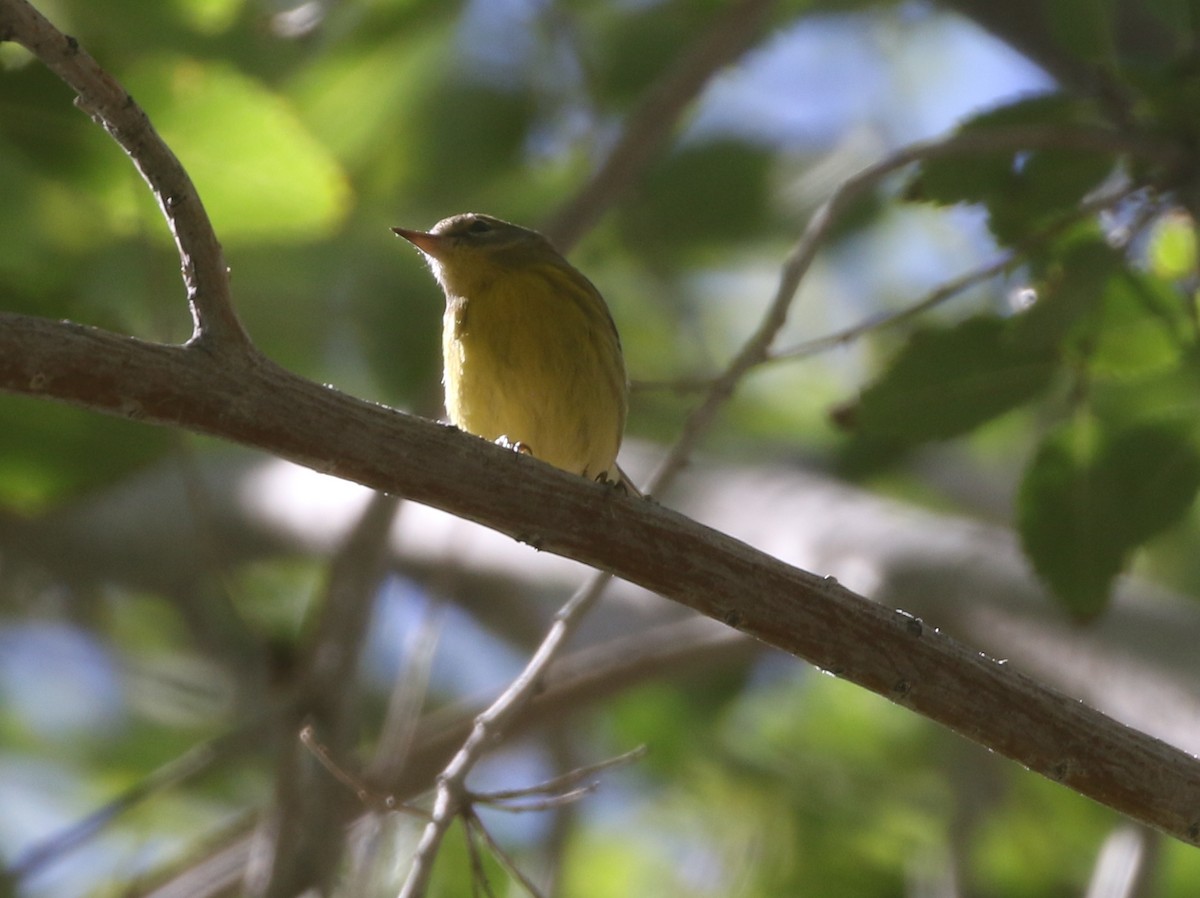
{"points": [[649, 126], [192, 763], [955, 286], [548, 803], [885, 651], [556, 785], [479, 878], [404, 704], [363, 792], [453, 797], [472, 821], [757, 349], [215, 324], [308, 738], [846, 335], [644, 133]]}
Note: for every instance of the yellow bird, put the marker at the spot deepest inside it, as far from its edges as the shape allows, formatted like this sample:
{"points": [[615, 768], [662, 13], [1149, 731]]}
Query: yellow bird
{"points": [[531, 356]]}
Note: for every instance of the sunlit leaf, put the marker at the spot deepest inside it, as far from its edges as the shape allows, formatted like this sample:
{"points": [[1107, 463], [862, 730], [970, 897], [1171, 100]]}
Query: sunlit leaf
{"points": [[209, 16], [1141, 327], [1172, 249], [260, 173]]}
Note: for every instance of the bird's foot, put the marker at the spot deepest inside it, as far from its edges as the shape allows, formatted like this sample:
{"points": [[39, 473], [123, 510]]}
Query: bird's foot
{"points": [[517, 446]]}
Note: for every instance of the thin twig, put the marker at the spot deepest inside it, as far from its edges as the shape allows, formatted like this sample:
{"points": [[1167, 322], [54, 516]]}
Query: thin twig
{"points": [[175, 772], [946, 291], [404, 703], [955, 286], [651, 124], [882, 320], [205, 274], [471, 819], [308, 738], [479, 877], [363, 792], [548, 803], [757, 349], [566, 780], [452, 795]]}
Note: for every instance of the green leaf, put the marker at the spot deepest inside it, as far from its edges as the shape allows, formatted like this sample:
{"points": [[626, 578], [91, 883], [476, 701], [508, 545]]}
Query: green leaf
{"points": [[1117, 321], [1021, 190], [1141, 327], [947, 382], [1172, 249], [1090, 497], [260, 173], [209, 16], [1171, 394], [1071, 283], [977, 177]]}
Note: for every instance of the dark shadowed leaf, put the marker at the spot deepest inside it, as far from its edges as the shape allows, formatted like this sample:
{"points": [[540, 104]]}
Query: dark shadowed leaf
{"points": [[1021, 189], [946, 382], [1090, 498]]}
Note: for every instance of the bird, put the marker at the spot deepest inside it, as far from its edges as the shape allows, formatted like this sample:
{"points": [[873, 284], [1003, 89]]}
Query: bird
{"points": [[531, 355]]}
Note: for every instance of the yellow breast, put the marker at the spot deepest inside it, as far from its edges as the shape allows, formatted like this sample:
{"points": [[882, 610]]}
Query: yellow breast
{"points": [[533, 356]]}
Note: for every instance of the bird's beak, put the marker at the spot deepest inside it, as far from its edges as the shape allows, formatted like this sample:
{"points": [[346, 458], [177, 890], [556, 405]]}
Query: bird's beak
{"points": [[430, 244]]}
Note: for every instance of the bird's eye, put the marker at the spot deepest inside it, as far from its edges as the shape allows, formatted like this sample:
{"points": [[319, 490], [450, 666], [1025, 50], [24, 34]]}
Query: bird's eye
{"points": [[479, 226]]}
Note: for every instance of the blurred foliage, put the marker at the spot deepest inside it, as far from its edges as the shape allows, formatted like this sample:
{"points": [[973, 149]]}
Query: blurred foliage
{"points": [[311, 129], [1103, 315]]}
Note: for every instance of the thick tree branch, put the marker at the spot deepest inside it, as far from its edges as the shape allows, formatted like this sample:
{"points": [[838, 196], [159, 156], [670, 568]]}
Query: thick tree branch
{"points": [[453, 797], [219, 385], [252, 401], [728, 36]]}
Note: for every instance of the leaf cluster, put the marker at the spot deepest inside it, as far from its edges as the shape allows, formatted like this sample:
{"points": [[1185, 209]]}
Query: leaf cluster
{"points": [[1098, 336]]}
